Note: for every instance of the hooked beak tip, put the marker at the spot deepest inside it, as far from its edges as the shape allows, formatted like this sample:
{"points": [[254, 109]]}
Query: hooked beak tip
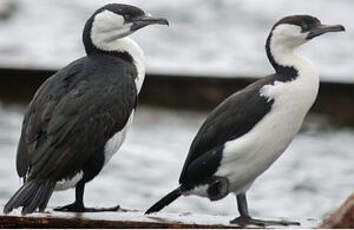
{"points": [[163, 21], [342, 28], [336, 28]]}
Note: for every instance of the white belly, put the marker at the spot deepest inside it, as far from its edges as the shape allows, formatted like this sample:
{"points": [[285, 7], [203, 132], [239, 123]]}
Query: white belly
{"points": [[245, 158], [113, 144]]}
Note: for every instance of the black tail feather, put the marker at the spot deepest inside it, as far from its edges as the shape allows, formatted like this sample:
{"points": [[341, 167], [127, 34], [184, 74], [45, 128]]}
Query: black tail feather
{"points": [[166, 200], [46, 190], [30, 196]]}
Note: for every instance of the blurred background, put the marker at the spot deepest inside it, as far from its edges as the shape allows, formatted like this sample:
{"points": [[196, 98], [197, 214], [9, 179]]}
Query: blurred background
{"points": [[214, 39]]}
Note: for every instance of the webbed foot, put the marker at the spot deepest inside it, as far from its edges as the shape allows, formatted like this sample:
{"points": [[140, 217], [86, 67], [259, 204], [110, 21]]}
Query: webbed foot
{"points": [[75, 207], [246, 220]]}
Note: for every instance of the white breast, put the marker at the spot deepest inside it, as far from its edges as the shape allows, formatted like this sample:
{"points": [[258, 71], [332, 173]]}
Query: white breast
{"points": [[128, 45], [247, 157], [114, 143]]}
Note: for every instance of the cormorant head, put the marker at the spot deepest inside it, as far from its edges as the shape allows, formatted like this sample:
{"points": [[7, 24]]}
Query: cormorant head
{"points": [[293, 31], [115, 21]]}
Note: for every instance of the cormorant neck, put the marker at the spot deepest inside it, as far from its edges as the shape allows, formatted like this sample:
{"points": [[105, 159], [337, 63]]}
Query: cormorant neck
{"points": [[123, 48], [282, 57], [113, 47]]}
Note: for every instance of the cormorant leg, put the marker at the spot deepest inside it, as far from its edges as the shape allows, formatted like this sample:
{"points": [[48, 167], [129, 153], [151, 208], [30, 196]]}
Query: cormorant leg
{"points": [[78, 205], [244, 219]]}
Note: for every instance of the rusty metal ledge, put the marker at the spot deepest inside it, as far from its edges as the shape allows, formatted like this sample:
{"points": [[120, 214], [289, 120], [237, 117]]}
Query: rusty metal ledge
{"points": [[54, 222], [86, 221]]}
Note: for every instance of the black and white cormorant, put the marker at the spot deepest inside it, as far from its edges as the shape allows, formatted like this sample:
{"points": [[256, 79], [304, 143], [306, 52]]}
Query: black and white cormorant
{"points": [[247, 132], [79, 117]]}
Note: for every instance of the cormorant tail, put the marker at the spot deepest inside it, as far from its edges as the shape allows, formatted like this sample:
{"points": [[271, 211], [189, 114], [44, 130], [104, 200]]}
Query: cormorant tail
{"points": [[166, 200], [32, 195]]}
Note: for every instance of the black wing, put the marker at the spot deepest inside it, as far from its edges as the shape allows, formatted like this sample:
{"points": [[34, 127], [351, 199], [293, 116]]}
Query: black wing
{"points": [[234, 117], [72, 116]]}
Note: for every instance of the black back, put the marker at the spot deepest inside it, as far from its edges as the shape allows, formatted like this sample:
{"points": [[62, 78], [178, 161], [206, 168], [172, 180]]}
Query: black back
{"points": [[73, 114]]}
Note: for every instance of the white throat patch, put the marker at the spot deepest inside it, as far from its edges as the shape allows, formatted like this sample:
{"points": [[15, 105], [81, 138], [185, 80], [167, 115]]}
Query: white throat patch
{"points": [[108, 27], [288, 35], [285, 38]]}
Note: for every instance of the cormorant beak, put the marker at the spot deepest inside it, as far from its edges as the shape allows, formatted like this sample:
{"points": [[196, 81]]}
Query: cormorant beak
{"points": [[146, 20], [321, 29]]}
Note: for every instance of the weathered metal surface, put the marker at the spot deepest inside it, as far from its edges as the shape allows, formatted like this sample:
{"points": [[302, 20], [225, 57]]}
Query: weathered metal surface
{"points": [[130, 219], [335, 100], [53, 222], [343, 217], [111, 220]]}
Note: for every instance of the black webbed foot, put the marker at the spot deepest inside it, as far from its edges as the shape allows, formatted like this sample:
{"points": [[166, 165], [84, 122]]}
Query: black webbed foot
{"points": [[244, 221], [74, 207]]}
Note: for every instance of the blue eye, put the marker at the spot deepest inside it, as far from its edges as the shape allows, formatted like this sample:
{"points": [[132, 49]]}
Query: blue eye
{"points": [[127, 17], [305, 27]]}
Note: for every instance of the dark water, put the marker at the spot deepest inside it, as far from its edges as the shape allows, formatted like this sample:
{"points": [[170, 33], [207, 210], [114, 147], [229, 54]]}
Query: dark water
{"points": [[311, 179], [218, 37]]}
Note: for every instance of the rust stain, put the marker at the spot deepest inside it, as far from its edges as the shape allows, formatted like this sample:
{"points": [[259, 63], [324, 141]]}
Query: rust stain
{"points": [[343, 217]]}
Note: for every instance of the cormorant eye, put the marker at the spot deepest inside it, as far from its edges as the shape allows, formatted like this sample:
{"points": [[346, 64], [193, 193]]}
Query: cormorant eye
{"points": [[304, 27], [127, 17]]}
